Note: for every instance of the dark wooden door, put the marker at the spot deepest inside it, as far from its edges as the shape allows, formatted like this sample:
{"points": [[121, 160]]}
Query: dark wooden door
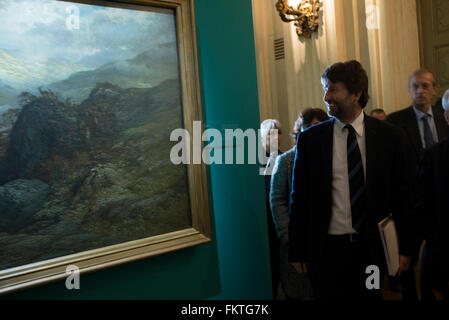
{"points": [[433, 20]]}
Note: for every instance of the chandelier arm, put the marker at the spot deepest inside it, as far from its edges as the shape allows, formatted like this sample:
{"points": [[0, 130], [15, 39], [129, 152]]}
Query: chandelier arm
{"points": [[286, 19], [294, 12]]}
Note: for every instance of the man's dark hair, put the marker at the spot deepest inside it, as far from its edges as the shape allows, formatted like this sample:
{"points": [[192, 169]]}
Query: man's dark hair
{"points": [[352, 74]]}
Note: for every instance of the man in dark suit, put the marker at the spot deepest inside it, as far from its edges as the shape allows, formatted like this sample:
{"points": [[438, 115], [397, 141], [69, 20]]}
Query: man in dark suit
{"points": [[415, 119], [432, 206], [424, 126], [350, 173]]}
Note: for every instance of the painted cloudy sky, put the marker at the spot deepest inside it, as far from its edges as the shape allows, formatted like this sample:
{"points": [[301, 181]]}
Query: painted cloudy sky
{"points": [[36, 44]]}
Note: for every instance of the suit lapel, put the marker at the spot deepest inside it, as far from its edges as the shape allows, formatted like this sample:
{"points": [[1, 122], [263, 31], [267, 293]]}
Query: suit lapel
{"points": [[372, 149], [445, 175], [327, 144], [413, 130], [440, 123]]}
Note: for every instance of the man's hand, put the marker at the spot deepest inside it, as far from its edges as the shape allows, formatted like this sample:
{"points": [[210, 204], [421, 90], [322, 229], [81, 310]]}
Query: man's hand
{"points": [[300, 267], [404, 263]]}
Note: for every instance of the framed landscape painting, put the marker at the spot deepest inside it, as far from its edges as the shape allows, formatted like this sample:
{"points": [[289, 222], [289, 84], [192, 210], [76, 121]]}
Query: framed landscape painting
{"points": [[90, 92]]}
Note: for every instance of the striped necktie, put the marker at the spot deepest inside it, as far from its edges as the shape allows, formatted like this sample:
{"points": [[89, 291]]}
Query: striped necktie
{"points": [[428, 136], [356, 179]]}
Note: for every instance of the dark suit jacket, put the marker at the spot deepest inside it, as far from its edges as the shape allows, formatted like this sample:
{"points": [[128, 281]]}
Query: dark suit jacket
{"points": [[432, 206], [388, 182], [406, 119]]}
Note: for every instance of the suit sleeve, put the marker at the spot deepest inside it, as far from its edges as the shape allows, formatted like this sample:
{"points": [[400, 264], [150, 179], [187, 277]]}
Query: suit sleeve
{"points": [[424, 197], [298, 210], [392, 119], [279, 198], [403, 210]]}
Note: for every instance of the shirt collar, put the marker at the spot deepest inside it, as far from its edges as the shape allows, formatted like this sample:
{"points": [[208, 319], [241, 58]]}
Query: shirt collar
{"points": [[357, 124], [419, 114]]}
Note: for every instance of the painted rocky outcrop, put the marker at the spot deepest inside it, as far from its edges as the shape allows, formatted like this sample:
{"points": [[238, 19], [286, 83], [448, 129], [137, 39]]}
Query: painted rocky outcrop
{"points": [[101, 172]]}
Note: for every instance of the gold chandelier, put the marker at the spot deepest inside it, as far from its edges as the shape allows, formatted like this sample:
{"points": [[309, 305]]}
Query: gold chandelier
{"points": [[305, 15]]}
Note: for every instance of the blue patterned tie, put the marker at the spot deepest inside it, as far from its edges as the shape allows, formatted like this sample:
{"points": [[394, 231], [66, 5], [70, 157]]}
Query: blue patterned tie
{"points": [[356, 179], [428, 136]]}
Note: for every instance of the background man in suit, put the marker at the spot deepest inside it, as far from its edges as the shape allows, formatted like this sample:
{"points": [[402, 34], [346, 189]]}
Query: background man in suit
{"points": [[424, 126], [350, 173], [423, 123], [433, 210]]}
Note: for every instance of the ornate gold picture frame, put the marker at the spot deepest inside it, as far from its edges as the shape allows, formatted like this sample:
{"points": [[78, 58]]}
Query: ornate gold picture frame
{"points": [[96, 167]]}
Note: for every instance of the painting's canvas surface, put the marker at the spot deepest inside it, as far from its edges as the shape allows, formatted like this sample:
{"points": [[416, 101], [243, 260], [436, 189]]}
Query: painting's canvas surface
{"points": [[88, 98]]}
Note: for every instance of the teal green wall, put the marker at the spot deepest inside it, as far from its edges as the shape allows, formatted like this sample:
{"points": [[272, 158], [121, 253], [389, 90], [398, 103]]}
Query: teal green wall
{"points": [[230, 100], [236, 264]]}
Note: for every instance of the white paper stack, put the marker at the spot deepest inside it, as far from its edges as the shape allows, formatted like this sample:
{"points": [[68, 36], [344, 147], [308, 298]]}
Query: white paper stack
{"points": [[389, 238]]}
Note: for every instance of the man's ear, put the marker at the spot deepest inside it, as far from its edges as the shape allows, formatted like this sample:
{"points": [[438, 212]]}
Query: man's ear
{"points": [[435, 88], [356, 97]]}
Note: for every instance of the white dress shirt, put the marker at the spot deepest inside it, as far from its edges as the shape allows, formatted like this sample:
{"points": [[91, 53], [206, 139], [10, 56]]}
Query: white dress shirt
{"points": [[341, 220]]}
